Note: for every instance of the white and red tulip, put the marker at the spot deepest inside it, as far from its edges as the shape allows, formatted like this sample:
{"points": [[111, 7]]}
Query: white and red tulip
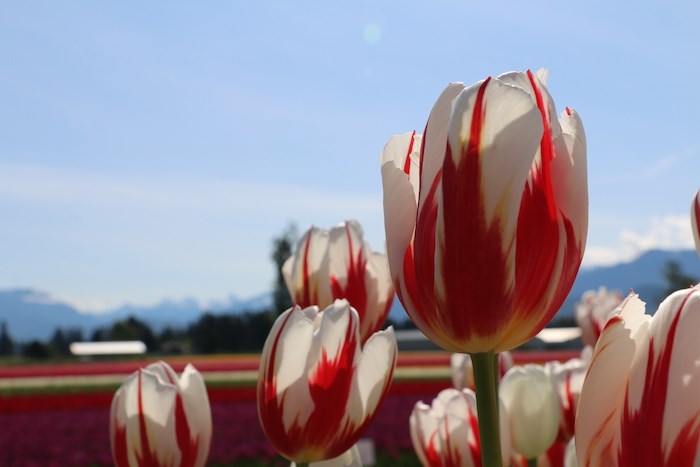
{"points": [[337, 263], [446, 433], [640, 401], [568, 378], [594, 309], [486, 215], [463, 370], [695, 220], [317, 389], [159, 420], [530, 399]]}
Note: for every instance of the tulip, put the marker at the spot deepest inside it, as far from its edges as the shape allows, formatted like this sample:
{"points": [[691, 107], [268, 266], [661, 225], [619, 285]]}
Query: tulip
{"points": [[486, 215], [158, 419], [593, 311], [639, 404], [530, 400], [446, 433], [463, 369], [568, 378], [695, 220], [317, 391], [337, 263]]}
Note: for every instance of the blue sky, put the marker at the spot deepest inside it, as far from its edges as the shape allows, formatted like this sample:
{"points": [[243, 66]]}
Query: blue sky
{"points": [[153, 149]]}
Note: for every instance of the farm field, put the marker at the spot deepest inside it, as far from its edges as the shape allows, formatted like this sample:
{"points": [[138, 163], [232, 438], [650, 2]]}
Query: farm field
{"points": [[57, 415]]}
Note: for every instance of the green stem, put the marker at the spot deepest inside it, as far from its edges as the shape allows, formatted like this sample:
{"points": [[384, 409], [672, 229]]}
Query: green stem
{"points": [[532, 463], [486, 382]]}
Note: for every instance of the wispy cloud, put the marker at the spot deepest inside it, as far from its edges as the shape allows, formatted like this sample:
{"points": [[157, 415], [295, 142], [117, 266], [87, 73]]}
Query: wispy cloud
{"points": [[659, 167], [66, 187]]}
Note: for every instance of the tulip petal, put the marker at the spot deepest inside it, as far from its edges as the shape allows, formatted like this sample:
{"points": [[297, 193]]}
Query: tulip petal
{"points": [[424, 434], [347, 263], [662, 411], [380, 291], [283, 365], [399, 214], [307, 275], [602, 395], [375, 368], [149, 408], [494, 131], [198, 412], [570, 175], [404, 152], [435, 140]]}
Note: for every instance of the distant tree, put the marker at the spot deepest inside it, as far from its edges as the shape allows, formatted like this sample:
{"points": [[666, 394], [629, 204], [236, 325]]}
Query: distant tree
{"points": [[282, 248], [676, 279], [7, 345], [59, 343], [133, 329], [99, 335], [37, 350], [63, 338]]}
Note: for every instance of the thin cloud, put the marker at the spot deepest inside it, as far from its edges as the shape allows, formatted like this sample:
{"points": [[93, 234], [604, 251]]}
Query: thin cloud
{"points": [[660, 167], [63, 187]]}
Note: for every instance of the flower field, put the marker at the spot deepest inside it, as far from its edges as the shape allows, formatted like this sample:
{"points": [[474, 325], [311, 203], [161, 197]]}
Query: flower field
{"points": [[69, 426]]}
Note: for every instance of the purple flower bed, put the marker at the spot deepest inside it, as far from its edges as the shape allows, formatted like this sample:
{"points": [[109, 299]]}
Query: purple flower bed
{"points": [[80, 437]]}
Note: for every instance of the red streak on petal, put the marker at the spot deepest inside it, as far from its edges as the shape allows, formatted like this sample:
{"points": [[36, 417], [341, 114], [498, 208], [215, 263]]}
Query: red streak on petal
{"points": [[424, 250], [355, 289], [568, 111], [187, 444], [473, 266], [641, 430], [475, 445], [327, 432], [407, 162], [308, 297], [431, 452], [555, 454], [146, 458], [538, 243], [119, 450], [270, 410]]}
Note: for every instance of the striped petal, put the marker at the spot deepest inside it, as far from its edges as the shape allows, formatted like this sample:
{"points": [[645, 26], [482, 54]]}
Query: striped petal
{"points": [[603, 393], [380, 293], [197, 411], [316, 391], [494, 132], [306, 272], [373, 376]]}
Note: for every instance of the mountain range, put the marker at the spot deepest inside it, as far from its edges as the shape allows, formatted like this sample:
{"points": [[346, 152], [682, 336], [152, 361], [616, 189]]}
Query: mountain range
{"points": [[33, 314]]}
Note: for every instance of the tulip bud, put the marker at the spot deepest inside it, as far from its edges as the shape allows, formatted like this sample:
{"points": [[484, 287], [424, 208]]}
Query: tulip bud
{"points": [[486, 214], [317, 390], [446, 433], [337, 263], [159, 419], [532, 406]]}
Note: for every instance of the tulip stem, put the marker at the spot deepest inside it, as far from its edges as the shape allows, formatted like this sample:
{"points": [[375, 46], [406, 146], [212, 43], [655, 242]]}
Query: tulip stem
{"points": [[532, 463], [486, 382]]}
